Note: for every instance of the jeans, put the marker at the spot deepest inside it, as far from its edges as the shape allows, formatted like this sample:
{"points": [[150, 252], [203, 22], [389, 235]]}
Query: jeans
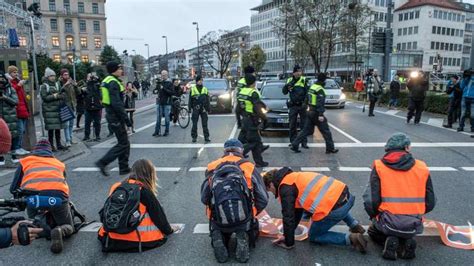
{"points": [[393, 102], [467, 104], [162, 110], [21, 127], [319, 231], [68, 130], [454, 111]]}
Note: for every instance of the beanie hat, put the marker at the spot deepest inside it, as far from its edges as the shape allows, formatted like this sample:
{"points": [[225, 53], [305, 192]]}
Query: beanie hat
{"points": [[112, 66], [12, 69], [198, 78], [250, 79], [249, 70], [64, 70], [49, 72], [296, 68], [233, 145], [398, 141], [43, 148]]}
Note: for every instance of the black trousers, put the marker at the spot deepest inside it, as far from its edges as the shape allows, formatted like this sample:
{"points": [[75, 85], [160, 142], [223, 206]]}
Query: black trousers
{"points": [[250, 137], [130, 114], [454, 110], [57, 216], [93, 116], [379, 237], [415, 108], [121, 150], [293, 114], [54, 134], [312, 120], [372, 102], [238, 116], [195, 118]]}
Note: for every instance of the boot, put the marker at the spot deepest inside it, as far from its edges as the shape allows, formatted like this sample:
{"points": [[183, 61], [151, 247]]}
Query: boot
{"points": [[220, 250], [242, 251], [57, 235], [390, 249], [358, 242], [408, 250]]}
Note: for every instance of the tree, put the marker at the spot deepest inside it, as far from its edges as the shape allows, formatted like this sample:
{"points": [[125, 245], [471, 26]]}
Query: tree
{"points": [[138, 62], [109, 54], [255, 57], [216, 47], [300, 53]]}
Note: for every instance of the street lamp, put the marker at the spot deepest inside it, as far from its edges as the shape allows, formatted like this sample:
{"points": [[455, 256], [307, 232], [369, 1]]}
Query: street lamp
{"points": [[198, 55], [148, 58], [166, 40]]}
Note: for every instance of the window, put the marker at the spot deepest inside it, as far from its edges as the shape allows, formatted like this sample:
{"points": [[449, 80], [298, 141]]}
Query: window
{"points": [[96, 26], [95, 8], [405, 17], [67, 6], [455, 47], [415, 45], [445, 15], [417, 14], [438, 30], [410, 30], [459, 47], [57, 58], [85, 58], [409, 45], [445, 61], [431, 60], [450, 61], [432, 45], [459, 18], [80, 7], [377, 2], [22, 40], [463, 18], [398, 47], [55, 41], [399, 32], [448, 31], [457, 32], [415, 30], [442, 46], [82, 26], [452, 32], [400, 17], [443, 31], [436, 14], [451, 47], [450, 16], [404, 46], [412, 15], [54, 24], [437, 45], [433, 30], [84, 42], [69, 42], [68, 26], [461, 33], [97, 43], [52, 5], [458, 63]]}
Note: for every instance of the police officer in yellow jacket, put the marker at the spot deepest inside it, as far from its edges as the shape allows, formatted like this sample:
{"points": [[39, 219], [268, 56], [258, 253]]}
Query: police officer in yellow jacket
{"points": [[199, 103], [240, 85], [112, 99], [316, 100]]}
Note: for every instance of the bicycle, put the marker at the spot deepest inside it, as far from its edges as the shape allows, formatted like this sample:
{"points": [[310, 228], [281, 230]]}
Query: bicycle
{"points": [[184, 116]]}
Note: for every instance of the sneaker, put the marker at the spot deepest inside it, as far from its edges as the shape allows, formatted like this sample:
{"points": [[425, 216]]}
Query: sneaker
{"points": [[261, 165], [156, 134], [194, 140], [86, 139], [102, 168], [125, 171], [332, 151], [242, 251], [358, 242], [73, 142], [408, 251], [357, 229], [370, 115], [21, 152], [68, 144], [220, 250], [166, 134], [390, 249], [57, 240]]}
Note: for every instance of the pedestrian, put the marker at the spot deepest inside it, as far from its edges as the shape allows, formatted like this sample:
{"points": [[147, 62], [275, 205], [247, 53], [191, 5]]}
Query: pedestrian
{"points": [[93, 107], [455, 98], [253, 112], [240, 85], [131, 94], [137, 86], [254, 199], [164, 102], [374, 89], [467, 105], [417, 86], [8, 103], [41, 173], [176, 100], [328, 201], [145, 88], [22, 112], [153, 226], [359, 87], [394, 92], [315, 117], [80, 110], [68, 86], [399, 193], [199, 103], [52, 97], [112, 99], [297, 87]]}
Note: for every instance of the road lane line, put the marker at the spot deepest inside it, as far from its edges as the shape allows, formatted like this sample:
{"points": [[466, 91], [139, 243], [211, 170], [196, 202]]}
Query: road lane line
{"points": [[269, 168], [442, 169], [355, 169], [201, 229], [115, 169], [197, 169], [437, 122], [315, 169], [392, 112], [86, 169], [468, 168], [234, 131], [111, 142], [344, 133]]}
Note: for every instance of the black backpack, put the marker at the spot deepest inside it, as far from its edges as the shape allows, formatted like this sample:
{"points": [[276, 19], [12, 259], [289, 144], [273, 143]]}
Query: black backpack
{"points": [[231, 198], [93, 97], [120, 213]]}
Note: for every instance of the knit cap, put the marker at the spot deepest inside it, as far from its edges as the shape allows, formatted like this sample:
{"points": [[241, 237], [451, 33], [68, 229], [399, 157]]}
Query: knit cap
{"points": [[398, 141]]}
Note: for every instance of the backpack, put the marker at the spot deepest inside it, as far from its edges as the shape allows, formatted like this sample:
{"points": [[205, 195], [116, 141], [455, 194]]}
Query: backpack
{"points": [[93, 98], [231, 198], [120, 213]]}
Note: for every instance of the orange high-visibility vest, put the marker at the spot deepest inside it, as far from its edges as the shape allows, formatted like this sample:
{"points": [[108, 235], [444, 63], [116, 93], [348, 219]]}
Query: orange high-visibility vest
{"points": [[317, 193], [146, 230], [403, 192], [247, 168], [43, 173]]}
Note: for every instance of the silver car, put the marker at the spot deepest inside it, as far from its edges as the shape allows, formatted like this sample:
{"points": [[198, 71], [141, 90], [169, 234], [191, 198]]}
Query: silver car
{"points": [[334, 95]]}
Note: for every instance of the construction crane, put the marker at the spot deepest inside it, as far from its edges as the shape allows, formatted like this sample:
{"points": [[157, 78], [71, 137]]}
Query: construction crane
{"points": [[124, 38]]}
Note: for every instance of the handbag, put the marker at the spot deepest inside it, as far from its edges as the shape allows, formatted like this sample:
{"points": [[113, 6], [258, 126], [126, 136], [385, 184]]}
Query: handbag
{"points": [[65, 113]]}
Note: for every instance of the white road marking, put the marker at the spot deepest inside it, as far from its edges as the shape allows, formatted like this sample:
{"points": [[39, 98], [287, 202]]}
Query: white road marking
{"points": [[266, 169], [467, 168], [392, 112], [86, 169], [201, 229], [234, 131], [112, 141], [95, 226], [355, 169], [437, 122], [442, 169], [344, 133], [115, 169], [315, 169], [197, 169], [223, 115]]}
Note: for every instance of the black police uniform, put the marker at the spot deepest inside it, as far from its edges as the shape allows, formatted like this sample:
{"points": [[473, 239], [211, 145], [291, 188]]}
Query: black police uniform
{"points": [[298, 90], [200, 106]]}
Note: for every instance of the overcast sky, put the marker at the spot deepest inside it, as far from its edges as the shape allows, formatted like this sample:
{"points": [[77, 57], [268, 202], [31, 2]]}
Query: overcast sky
{"points": [[151, 19]]}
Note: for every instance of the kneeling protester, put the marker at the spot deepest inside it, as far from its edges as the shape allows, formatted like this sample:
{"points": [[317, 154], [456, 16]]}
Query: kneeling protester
{"points": [[133, 219]]}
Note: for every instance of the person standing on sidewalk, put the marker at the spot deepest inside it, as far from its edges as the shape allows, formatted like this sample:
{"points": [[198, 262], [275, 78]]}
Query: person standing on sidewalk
{"points": [[164, 104], [374, 88], [68, 86], [8, 103], [52, 96], [467, 105], [131, 94], [93, 107], [80, 110], [22, 112], [417, 87], [394, 92], [359, 87], [112, 99], [455, 98]]}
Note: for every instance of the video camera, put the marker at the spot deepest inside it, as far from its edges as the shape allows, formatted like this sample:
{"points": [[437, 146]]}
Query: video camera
{"points": [[468, 73]]}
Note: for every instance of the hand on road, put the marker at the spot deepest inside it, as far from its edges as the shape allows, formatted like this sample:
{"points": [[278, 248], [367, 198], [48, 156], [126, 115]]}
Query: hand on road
{"points": [[176, 228]]}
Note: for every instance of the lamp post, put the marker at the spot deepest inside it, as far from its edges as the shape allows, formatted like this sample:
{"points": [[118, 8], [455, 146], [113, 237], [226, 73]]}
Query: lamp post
{"points": [[198, 55], [166, 41], [148, 58], [73, 49]]}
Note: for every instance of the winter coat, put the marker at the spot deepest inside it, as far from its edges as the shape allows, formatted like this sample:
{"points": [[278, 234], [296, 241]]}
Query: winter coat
{"points": [[467, 86], [51, 105], [93, 96], [454, 91], [417, 88], [165, 93], [22, 107], [8, 105], [395, 89], [70, 92], [80, 100], [130, 100]]}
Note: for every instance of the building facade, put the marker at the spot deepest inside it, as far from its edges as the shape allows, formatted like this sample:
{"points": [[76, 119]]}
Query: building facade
{"points": [[240, 39]]}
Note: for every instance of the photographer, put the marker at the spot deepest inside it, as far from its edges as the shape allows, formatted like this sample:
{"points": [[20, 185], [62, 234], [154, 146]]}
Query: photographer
{"points": [[165, 93], [93, 107], [9, 236], [374, 89], [467, 104], [417, 86]]}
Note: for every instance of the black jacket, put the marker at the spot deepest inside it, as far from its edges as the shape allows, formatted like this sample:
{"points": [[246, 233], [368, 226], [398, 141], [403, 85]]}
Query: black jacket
{"points": [[93, 96], [395, 89], [400, 161], [201, 101], [165, 93], [456, 88], [298, 94], [116, 110], [417, 88]]}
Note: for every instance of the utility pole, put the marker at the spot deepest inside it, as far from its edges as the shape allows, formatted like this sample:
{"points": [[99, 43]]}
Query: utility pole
{"points": [[198, 55], [166, 41], [388, 40], [73, 62], [285, 64], [369, 43], [148, 58]]}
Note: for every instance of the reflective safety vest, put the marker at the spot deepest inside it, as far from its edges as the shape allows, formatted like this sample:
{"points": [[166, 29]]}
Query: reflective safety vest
{"points": [[244, 99], [403, 192], [313, 94], [105, 88], [300, 83], [43, 173], [195, 92], [146, 230], [241, 83], [317, 193], [247, 168]]}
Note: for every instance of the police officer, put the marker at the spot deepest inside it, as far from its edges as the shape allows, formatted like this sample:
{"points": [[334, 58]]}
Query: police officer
{"points": [[199, 103], [112, 99], [253, 111], [316, 100], [297, 87], [240, 85]]}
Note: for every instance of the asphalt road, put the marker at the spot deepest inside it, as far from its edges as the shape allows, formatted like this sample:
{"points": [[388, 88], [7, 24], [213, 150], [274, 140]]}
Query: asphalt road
{"points": [[180, 169]]}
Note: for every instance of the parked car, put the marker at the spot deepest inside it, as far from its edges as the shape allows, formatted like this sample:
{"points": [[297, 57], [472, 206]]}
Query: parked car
{"points": [[334, 95], [277, 111]]}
